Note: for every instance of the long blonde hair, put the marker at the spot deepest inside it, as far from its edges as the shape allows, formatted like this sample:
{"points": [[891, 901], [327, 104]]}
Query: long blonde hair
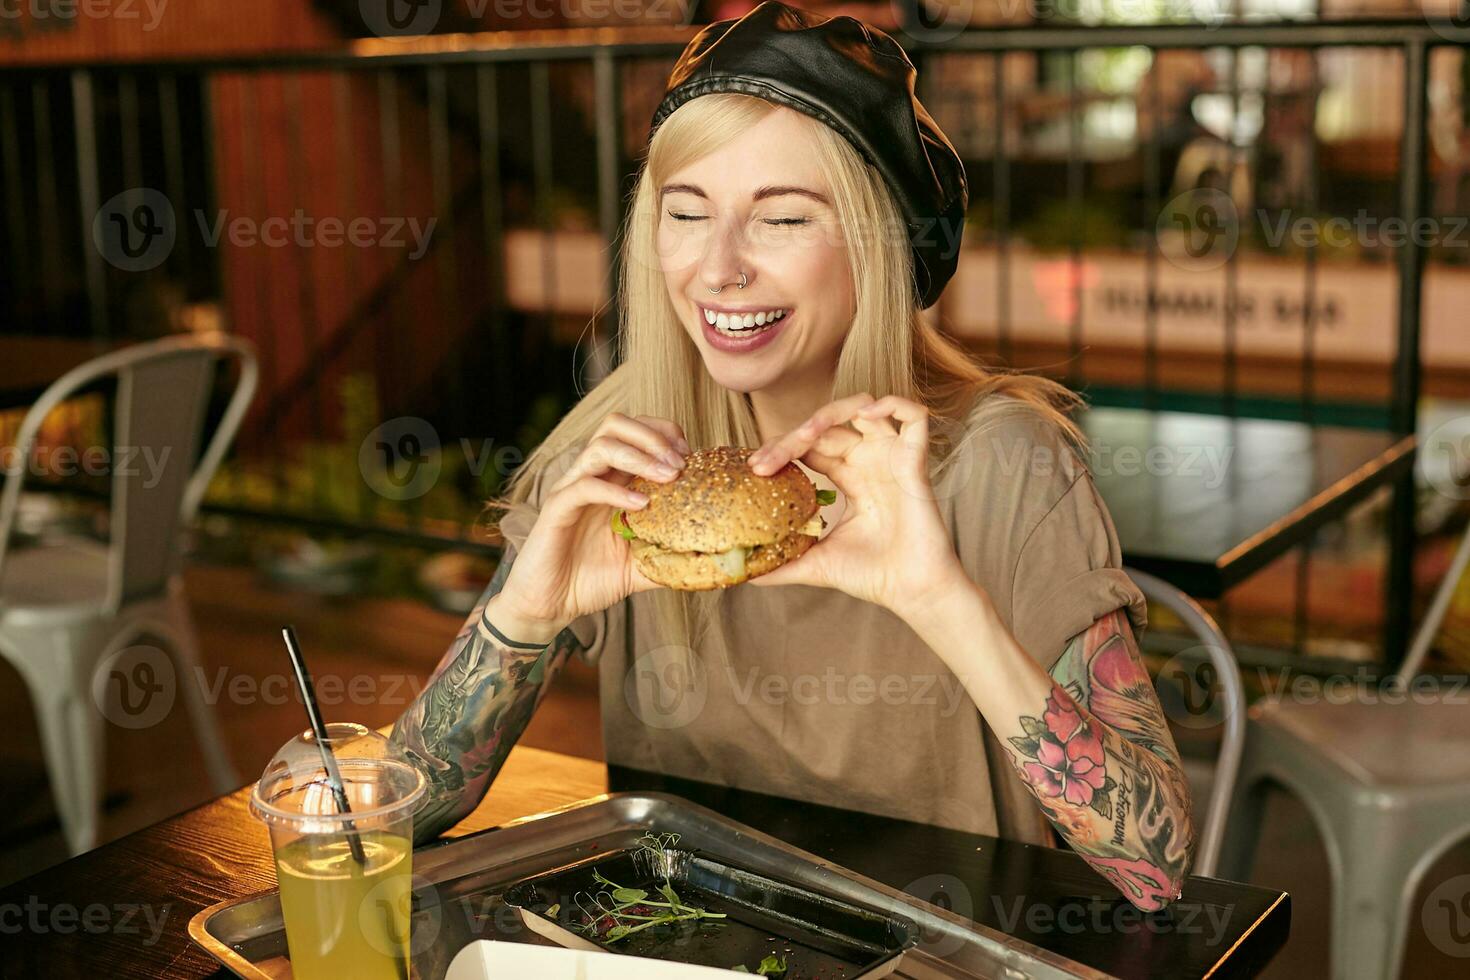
{"points": [[891, 349]]}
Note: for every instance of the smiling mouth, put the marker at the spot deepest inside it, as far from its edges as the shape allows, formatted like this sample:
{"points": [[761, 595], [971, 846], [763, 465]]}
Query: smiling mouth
{"points": [[743, 324]]}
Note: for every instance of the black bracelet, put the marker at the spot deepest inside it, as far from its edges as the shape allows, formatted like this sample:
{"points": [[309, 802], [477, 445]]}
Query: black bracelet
{"points": [[508, 641]]}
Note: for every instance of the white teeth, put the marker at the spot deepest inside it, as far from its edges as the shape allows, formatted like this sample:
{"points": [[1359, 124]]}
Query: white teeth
{"points": [[737, 323]]}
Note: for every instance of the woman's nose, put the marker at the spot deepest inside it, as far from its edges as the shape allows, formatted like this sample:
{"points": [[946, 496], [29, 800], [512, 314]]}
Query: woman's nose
{"points": [[724, 259]]}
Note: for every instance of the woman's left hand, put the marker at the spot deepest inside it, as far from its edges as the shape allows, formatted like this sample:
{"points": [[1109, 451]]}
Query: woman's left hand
{"points": [[890, 546]]}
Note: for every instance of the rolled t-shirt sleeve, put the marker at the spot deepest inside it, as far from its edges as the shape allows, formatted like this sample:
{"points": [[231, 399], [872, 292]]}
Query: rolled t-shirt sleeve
{"points": [[1069, 574]]}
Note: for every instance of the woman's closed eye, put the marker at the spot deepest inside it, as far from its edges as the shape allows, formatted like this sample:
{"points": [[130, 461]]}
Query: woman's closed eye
{"points": [[770, 221]]}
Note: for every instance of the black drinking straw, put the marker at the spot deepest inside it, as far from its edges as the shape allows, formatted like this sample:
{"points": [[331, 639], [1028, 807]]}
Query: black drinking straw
{"points": [[329, 761]]}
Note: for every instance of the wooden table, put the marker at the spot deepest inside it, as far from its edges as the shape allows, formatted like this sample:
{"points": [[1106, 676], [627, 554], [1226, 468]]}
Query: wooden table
{"points": [[1203, 501], [122, 910]]}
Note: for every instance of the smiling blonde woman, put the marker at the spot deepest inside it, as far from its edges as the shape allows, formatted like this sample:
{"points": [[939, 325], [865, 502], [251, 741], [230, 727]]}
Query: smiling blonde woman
{"points": [[959, 647]]}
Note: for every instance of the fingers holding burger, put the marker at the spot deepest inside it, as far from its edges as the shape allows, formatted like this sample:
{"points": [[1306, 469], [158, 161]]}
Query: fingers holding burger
{"points": [[719, 523]]}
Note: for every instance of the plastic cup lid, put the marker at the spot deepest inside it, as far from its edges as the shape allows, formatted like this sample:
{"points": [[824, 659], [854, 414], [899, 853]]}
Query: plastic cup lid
{"points": [[293, 789]]}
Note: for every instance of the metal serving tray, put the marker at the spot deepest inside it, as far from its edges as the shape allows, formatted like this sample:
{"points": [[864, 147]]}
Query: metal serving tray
{"points": [[460, 884], [814, 934]]}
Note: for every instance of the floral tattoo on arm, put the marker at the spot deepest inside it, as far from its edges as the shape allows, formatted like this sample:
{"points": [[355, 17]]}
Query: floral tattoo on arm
{"points": [[1099, 757], [463, 724]]}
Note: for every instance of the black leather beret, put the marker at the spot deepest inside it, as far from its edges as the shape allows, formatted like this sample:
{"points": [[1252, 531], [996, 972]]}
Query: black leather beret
{"points": [[856, 79]]}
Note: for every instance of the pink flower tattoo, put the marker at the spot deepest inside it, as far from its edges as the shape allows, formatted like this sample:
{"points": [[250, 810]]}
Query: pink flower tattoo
{"points": [[1067, 754]]}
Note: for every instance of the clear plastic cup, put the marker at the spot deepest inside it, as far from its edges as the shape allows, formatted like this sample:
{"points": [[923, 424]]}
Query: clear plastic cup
{"points": [[345, 880]]}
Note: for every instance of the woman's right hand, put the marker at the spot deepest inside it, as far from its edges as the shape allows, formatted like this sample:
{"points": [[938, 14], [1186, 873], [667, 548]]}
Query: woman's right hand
{"points": [[571, 562]]}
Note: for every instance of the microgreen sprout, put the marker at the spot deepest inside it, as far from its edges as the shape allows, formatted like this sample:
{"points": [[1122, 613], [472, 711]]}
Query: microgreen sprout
{"points": [[625, 911]]}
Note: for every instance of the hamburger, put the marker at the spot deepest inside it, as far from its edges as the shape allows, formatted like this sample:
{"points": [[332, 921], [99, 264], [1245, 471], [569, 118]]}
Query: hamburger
{"points": [[718, 524]]}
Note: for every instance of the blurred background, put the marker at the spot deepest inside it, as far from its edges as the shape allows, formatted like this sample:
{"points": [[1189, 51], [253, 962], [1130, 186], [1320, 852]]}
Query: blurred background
{"points": [[1242, 226]]}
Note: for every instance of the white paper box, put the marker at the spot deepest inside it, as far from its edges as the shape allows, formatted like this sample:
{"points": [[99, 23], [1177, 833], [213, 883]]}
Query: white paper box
{"points": [[489, 959]]}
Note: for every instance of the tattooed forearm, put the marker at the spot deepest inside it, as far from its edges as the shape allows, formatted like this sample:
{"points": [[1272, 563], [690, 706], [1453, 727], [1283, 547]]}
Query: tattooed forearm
{"points": [[1099, 757], [1089, 739], [462, 726]]}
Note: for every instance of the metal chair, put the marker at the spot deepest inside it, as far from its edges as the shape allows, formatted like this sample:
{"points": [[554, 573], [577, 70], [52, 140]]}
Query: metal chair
{"points": [[1232, 693], [1386, 777], [68, 604]]}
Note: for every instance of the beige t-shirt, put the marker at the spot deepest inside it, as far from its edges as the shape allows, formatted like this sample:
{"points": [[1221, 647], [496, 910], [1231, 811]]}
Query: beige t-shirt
{"points": [[811, 694]]}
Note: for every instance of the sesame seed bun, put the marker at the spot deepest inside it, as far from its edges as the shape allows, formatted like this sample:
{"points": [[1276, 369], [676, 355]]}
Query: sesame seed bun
{"points": [[717, 504]]}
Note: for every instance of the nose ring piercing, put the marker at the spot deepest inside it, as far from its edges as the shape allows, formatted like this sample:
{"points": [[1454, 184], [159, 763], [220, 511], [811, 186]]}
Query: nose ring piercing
{"points": [[743, 281]]}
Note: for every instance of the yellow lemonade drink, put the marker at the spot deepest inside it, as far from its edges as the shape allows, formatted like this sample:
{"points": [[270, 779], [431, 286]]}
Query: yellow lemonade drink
{"points": [[347, 915], [347, 920]]}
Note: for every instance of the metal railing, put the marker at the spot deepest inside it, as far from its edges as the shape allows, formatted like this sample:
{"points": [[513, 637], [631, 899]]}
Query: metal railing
{"points": [[517, 149]]}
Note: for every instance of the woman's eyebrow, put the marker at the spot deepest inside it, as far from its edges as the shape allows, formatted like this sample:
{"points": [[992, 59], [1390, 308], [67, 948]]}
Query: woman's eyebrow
{"points": [[770, 190]]}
